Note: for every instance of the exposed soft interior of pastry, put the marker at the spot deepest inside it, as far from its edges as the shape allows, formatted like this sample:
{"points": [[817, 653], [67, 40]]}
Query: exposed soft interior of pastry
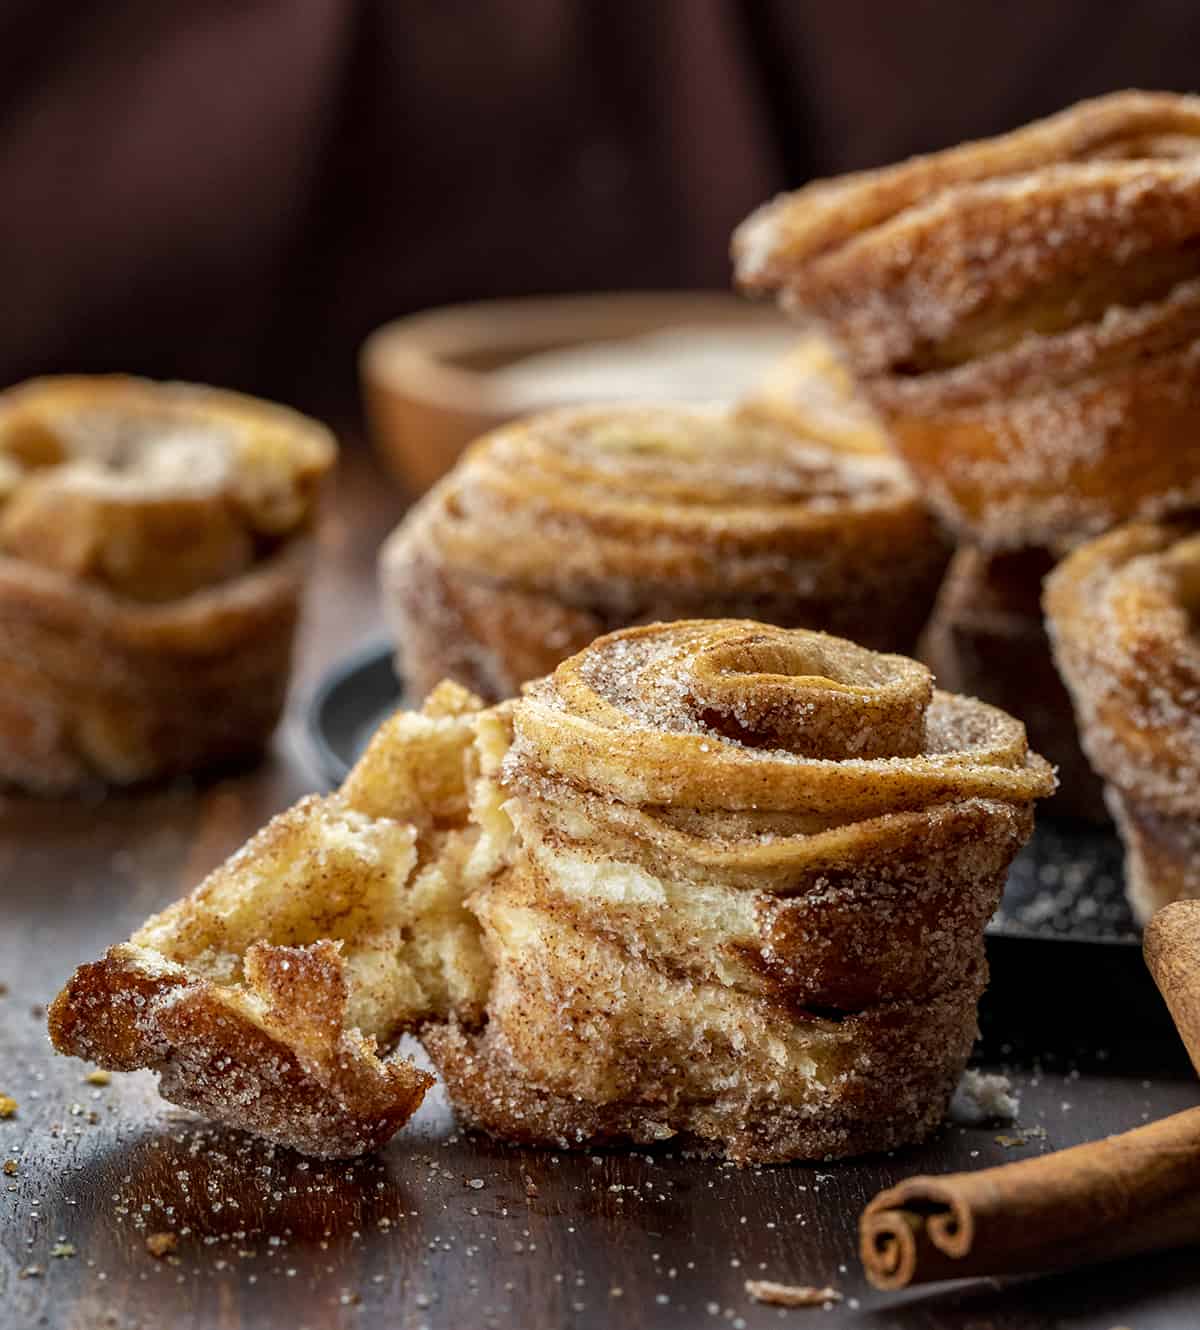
{"points": [[267, 996]]}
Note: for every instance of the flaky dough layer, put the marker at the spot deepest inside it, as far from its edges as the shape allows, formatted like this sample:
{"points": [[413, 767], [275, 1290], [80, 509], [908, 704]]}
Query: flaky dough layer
{"points": [[1022, 312], [557, 529], [98, 689], [711, 879], [153, 547]]}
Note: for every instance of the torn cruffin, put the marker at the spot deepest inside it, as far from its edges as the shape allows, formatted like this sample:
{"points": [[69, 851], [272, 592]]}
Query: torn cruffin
{"points": [[268, 997], [711, 880]]}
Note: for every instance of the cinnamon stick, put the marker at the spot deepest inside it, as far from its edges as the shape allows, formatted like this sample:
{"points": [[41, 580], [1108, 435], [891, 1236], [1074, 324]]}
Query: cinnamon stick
{"points": [[1171, 945], [1125, 1195], [1136, 1192]]}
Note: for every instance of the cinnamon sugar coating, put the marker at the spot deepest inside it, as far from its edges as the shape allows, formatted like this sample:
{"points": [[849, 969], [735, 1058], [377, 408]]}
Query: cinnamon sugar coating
{"points": [[557, 529], [152, 552], [987, 638], [711, 879], [269, 997], [1022, 312], [1122, 613], [745, 899]]}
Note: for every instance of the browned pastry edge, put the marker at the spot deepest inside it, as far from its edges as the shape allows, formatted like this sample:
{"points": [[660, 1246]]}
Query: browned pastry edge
{"points": [[923, 1056], [94, 688], [256, 1035], [987, 639], [1023, 313], [1062, 437], [291, 1072], [279, 467], [901, 258], [978, 267], [553, 530], [1124, 124]]}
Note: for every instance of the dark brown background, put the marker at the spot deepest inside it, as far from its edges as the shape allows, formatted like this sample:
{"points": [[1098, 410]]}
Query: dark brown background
{"points": [[237, 191], [276, 1243]]}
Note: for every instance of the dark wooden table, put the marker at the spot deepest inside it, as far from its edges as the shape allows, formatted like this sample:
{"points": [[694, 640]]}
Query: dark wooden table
{"points": [[441, 1229]]}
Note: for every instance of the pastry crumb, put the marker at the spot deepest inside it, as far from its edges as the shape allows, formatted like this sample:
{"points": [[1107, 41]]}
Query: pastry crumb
{"points": [[981, 1097], [61, 1251], [98, 1076], [791, 1295], [10, 1168], [161, 1244], [8, 1106]]}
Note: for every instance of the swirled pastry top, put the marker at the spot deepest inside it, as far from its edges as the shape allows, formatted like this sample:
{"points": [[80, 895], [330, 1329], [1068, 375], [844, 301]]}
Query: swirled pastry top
{"points": [[1123, 612], [946, 257], [654, 494], [742, 717], [153, 490]]}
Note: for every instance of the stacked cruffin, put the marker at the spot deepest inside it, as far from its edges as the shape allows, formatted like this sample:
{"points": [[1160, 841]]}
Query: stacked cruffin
{"points": [[564, 526], [711, 880], [1024, 315], [153, 545]]}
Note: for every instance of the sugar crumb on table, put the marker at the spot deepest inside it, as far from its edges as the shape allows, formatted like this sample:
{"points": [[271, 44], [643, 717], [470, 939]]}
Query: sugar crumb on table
{"points": [[791, 1295], [161, 1244]]}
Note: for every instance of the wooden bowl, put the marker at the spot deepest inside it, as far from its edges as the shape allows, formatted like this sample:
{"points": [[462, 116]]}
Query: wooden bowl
{"points": [[429, 380]]}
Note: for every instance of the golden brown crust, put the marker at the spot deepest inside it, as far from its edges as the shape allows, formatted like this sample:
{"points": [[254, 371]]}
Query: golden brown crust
{"points": [[1059, 439], [134, 446], [712, 879], [152, 555], [987, 638], [555, 530], [494, 1093], [94, 688], [855, 233], [744, 897], [275, 1058], [1122, 617], [265, 997], [1023, 313]]}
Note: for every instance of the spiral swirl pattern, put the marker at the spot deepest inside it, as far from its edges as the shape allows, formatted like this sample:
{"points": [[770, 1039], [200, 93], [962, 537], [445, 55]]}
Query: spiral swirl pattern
{"points": [[555, 530], [745, 896]]}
